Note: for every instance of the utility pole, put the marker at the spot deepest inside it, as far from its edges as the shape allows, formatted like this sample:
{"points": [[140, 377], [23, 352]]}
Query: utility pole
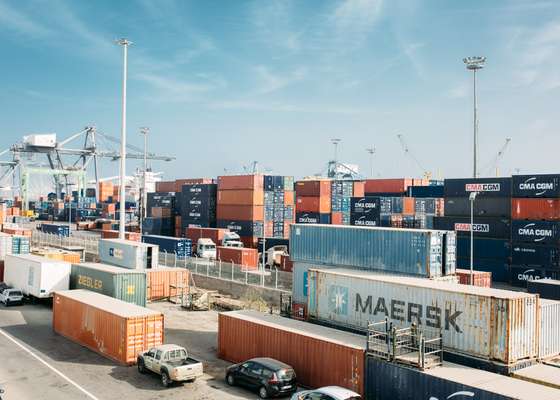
{"points": [[474, 64], [144, 193], [122, 209], [371, 151]]}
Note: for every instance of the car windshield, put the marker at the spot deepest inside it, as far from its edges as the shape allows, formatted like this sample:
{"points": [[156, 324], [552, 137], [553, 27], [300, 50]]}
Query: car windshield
{"points": [[285, 374], [15, 293], [176, 355]]}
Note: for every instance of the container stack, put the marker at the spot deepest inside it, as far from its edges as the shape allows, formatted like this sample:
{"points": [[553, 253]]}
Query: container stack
{"points": [[278, 205], [313, 201], [56, 229], [181, 247], [492, 223], [342, 193], [535, 247], [240, 206], [161, 210], [105, 191], [198, 205]]}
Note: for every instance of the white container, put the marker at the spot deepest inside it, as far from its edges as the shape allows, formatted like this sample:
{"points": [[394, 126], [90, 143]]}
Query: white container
{"points": [[128, 253], [43, 140], [492, 324], [36, 276], [549, 339], [5, 245]]}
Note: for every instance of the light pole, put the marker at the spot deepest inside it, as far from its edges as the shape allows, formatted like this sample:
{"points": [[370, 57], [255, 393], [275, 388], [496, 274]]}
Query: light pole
{"points": [[124, 43], [143, 193], [336, 141], [474, 64], [371, 151], [472, 198]]}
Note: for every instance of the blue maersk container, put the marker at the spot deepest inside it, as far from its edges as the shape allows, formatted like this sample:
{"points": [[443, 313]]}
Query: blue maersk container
{"points": [[55, 229], [181, 247], [424, 253]]}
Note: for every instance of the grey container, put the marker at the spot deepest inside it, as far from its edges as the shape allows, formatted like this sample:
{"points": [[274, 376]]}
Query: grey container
{"points": [[411, 252], [128, 254], [119, 283], [483, 207]]}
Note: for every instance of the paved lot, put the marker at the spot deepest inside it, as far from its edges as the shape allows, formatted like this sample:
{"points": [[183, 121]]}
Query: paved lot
{"points": [[51, 367]]}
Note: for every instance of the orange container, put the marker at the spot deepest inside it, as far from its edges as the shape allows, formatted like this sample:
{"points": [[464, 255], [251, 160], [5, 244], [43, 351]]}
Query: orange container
{"points": [[241, 197], [313, 204], [336, 218], [387, 185], [249, 182], [268, 229], [17, 231], [320, 356], [313, 188], [539, 209], [238, 255], [164, 282], [408, 205], [113, 234], [286, 264], [192, 181], [289, 198], [242, 213], [420, 182], [165, 186], [161, 212], [109, 208], [480, 278], [110, 327], [359, 189], [216, 234]]}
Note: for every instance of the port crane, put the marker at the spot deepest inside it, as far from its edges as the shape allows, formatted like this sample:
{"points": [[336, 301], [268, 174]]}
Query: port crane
{"points": [[493, 164], [426, 174]]}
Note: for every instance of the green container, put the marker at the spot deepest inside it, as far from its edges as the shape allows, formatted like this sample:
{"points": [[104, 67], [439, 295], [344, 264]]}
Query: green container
{"points": [[120, 283]]}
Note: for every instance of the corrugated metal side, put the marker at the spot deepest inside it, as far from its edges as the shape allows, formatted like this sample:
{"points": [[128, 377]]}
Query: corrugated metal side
{"points": [[141, 334], [475, 324], [126, 255], [411, 252], [316, 361], [163, 283], [549, 339]]}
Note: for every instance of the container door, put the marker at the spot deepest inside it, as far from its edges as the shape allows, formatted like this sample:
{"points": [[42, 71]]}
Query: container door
{"points": [[148, 258]]}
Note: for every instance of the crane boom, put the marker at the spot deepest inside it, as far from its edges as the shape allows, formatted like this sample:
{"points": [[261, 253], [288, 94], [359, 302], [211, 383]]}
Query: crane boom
{"points": [[408, 153]]}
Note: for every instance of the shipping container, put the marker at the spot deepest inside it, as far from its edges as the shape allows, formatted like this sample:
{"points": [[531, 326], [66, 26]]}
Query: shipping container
{"points": [[36, 276], [410, 252], [541, 232], [479, 278], [519, 275], [166, 283], [114, 234], [491, 324], [181, 247], [271, 242], [242, 228], [55, 229], [5, 245], [486, 187], [165, 186], [425, 191], [390, 381], [241, 197], [179, 183], [498, 267], [549, 318], [336, 218], [238, 255], [128, 254], [313, 204], [499, 228], [236, 182], [315, 188], [365, 204], [320, 356], [535, 209], [484, 248], [113, 328], [243, 213], [365, 219], [483, 207], [312, 218], [535, 255], [116, 282], [545, 288], [387, 186], [543, 186]]}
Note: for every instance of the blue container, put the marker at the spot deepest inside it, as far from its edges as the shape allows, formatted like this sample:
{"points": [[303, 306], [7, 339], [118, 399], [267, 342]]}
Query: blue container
{"points": [[483, 207], [499, 228], [486, 187], [425, 191], [543, 186], [242, 228], [541, 232], [312, 218], [55, 229], [535, 255], [365, 205], [181, 247], [484, 248], [409, 252], [158, 226], [498, 268], [545, 288], [425, 206], [519, 275], [160, 199]]}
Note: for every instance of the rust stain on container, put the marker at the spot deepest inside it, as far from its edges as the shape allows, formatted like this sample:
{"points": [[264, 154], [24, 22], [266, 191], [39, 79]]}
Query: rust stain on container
{"points": [[163, 283], [110, 327]]}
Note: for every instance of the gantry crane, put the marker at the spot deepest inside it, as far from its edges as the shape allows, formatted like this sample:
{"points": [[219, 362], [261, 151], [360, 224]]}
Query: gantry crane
{"points": [[425, 173], [493, 164]]}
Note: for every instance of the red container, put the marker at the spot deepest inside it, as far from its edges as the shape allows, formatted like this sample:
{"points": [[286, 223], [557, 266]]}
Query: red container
{"points": [[242, 213], [250, 242], [396, 186], [241, 197], [299, 311], [112, 234], [286, 264], [336, 218], [313, 188], [539, 209], [249, 182], [320, 356], [289, 198], [359, 189], [194, 181], [165, 186], [216, 234], [408, 205], [238, 255], [313, 204], [480, 278], [1, 271]]}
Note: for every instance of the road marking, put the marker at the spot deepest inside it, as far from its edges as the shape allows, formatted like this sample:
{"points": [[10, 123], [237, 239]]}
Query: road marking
{"points": [[9, 337]]}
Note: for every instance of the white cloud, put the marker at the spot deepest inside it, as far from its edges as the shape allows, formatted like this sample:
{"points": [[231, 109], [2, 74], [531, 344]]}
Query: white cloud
{"points": [[20, 22], [458, 92], [353, 20], [268, 82], [174, 89], [282, 107]]}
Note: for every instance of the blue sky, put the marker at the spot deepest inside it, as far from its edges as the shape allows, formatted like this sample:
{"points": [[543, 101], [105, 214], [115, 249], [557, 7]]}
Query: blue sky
{"points": [[224, 83]]}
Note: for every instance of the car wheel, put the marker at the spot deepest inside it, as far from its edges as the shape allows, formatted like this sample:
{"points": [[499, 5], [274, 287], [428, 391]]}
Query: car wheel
{"points": [[141, 367], [165, 381], [230, 380], [263, 393]]}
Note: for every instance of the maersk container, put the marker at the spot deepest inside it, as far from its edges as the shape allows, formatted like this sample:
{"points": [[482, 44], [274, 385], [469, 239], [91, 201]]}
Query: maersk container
{"points": [[545, 288], [535, 255], [491, 324], [483, 248], [543, 232], [536, 185], [498, 268], [181, 247], [128, 254], [408, 252], [116, 282], [519, 274], [486, 187], [549, 341], [483, 207], [499, 228]]}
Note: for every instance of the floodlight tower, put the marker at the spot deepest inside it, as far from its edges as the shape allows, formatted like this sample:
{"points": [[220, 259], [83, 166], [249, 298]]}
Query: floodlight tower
{"points": [[474, 64], [371, 151]]}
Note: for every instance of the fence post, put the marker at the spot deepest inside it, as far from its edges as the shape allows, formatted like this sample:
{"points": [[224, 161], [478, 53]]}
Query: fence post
{"points": [[175, 262], [165, 258], [220, 269], [246, 276], [232, 271], [208, 268], [276, 280]]}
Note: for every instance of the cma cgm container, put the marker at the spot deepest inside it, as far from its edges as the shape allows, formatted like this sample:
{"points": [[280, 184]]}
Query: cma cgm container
{"points": [[36, 276], [541, 232], [312, 218], [519, 275], [535, 255], [543, 209], [491, 324], [486, 187], [181, 247], [128, 254], [536, 186], [113, 328], [483, 248], [545, 288], [499, 228], [483, 207], [166, 282], [320, 356], [408, 252], [498, 267], [116, 282]]}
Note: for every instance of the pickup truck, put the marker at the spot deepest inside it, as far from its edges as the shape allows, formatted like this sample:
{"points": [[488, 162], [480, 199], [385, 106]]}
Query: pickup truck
{"points": [[10, 296], [171, 362]]}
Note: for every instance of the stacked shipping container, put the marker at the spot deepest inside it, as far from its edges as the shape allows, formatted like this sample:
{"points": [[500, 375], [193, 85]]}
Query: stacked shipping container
{"points": [[278, 205], [313, 202], [198, 205], [161, 210]]}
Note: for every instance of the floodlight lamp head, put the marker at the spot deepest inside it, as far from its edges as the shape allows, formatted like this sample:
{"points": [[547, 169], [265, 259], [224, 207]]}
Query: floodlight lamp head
{"points": [[474, 63], [472, 196]]}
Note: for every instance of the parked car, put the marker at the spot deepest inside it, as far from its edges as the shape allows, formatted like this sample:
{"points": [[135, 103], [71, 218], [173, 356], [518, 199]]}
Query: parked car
{"points": [[10, 296], [267, 376], [171, 362], [327, 393]]}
